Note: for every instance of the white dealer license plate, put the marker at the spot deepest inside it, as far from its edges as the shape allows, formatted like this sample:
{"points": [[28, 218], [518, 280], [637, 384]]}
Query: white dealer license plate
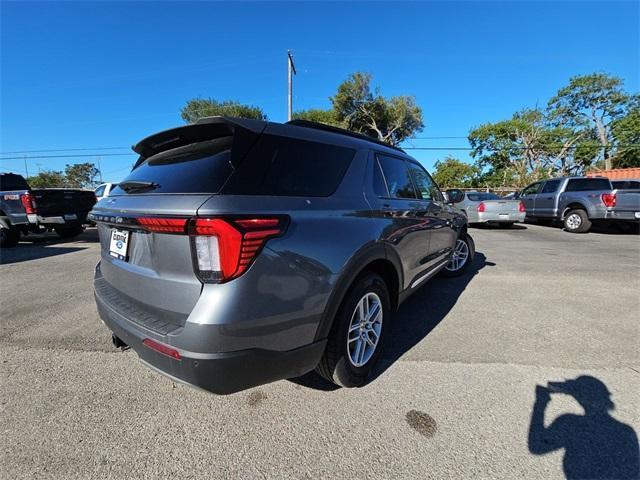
{"points": [[119, 244], [503, 215]]}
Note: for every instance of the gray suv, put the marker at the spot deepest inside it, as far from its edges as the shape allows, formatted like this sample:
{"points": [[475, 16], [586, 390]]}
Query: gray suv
{"points": [[239, 252]]}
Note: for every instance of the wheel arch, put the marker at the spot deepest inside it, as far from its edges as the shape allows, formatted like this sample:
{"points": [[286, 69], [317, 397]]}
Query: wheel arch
{"points": [[372, 259], [574, 206]]}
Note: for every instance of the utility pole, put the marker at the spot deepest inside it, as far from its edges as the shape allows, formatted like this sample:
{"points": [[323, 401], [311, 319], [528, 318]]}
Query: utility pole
{"points": [[99, 169], [291, 69], [26, 169]]}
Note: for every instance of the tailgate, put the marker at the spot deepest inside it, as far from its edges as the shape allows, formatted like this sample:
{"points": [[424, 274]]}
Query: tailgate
{"points": [[157, 268], [627, 200], [52, 202]]}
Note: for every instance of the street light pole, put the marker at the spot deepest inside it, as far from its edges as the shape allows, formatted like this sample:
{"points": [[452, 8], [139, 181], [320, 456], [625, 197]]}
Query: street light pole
{"points": [[291, 70]]}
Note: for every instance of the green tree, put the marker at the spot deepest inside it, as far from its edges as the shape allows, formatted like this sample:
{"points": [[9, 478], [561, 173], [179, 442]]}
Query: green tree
{"points": [[81, 175], [358, 109], [319, 115], [208, 107], [47, 179], [592, 102], [518, 145], [626, 132], [451, 172]]}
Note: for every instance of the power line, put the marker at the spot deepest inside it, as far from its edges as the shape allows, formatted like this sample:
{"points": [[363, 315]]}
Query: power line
{"points": [[70, 156], [65, 150]]}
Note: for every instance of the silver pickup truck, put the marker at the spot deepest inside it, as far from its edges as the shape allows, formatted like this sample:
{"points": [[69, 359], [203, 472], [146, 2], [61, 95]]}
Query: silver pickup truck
{"points": [[579, 201]]}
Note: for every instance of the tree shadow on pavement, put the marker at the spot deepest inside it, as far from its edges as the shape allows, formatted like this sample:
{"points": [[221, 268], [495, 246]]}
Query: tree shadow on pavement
{"points": [[17, 254], [415, 319], [43, 245], [596, 445]]}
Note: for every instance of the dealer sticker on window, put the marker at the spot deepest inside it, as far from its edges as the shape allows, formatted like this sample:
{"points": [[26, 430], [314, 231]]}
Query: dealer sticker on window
{"points": [[119, 244]]}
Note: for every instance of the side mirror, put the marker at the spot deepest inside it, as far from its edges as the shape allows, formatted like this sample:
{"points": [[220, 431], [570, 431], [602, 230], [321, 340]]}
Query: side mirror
{"points": [[454, 195]]}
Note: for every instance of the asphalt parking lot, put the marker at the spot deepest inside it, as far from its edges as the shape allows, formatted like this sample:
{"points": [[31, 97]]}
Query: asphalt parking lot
{"points": [[455, 398]]}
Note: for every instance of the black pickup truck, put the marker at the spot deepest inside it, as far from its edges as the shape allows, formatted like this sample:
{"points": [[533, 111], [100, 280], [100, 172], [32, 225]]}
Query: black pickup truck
{"points": [[24, 210]]}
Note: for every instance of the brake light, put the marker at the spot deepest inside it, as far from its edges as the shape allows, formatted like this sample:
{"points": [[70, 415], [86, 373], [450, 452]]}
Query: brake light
{"points": [[609, 199], [521, 207], [225, 248], [28, 203], [163, 225], [162, 348], [481, 207]]}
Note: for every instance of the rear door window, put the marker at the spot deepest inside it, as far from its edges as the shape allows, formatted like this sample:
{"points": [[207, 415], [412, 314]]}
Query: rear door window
{"points": [[586, 184], [531, 189], [426, 187], [551, 186], [397, 177], [286, 166]]}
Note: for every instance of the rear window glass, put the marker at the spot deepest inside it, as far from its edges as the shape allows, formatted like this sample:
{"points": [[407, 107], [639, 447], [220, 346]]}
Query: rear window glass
{"points": [[185, 170], [12, 182], [285, 166], [478, 197], [626, 184], [585, 184]]}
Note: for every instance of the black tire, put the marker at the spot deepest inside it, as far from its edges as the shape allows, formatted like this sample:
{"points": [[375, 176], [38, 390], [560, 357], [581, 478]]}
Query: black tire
{"points": [[69, 232], [577, 221], [9, 237], [447, 272], [505, 224], [336, 365]]}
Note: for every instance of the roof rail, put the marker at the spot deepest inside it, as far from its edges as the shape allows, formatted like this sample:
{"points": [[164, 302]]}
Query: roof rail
{"points": [[341, 131]]}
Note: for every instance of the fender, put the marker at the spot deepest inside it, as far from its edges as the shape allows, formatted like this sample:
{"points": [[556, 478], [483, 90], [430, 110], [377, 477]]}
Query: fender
{"points": [[566, 208], [351, 270]]}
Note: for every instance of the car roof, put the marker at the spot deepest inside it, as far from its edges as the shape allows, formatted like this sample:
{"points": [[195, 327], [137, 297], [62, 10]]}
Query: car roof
{"points": [[209, 127]]}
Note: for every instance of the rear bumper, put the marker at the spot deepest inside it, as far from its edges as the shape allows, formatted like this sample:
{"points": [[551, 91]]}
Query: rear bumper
{"points": [[217, 372], [484, 217], [67, 219], [623, 216]]}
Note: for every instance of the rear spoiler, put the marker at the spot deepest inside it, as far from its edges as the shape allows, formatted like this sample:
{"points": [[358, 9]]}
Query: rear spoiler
{"points": [[244, 131]]}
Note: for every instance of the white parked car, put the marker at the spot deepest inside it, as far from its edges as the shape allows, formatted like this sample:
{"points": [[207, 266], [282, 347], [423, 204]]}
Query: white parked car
{"points": [[104, 189]]}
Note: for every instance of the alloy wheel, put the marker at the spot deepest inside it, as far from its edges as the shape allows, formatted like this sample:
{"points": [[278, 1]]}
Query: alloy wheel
{"points": [[364, 329], [459, 257], [574, 221]]}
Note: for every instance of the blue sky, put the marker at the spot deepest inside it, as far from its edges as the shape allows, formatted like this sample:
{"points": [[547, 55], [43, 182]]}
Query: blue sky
{"points": [[106, 74]]}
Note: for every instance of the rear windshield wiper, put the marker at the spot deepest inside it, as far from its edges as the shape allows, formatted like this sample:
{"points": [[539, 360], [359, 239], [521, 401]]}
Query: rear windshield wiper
{"points": [[137, 185]]}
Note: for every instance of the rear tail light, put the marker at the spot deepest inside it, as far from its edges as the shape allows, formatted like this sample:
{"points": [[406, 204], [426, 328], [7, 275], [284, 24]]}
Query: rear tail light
{"points": [[28, 203], [481, 208], [521, 207], [163, 225], [609, 199], [224, 248], [162, 348]]}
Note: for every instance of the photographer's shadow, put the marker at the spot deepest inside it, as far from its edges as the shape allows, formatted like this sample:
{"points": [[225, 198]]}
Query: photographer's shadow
{"points": [[596, 445]]}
